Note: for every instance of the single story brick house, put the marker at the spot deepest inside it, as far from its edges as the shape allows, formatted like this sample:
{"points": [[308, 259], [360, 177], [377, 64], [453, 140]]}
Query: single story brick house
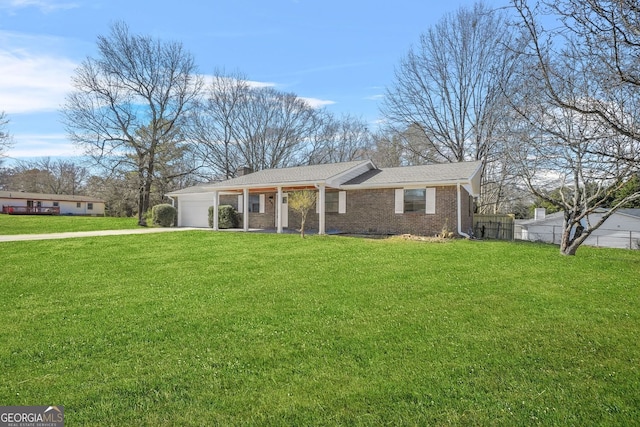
{"points": [[19, 202], [352, 197]]}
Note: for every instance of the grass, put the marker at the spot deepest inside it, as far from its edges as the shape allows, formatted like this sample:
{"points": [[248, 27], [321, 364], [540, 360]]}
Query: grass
{"points": [[35, 224], [200, 328]]}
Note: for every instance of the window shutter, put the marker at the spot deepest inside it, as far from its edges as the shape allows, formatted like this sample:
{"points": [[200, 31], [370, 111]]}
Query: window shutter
{"points": [[399, 200], [342, 202], [240, 204], [430, 202], [262, 203]]}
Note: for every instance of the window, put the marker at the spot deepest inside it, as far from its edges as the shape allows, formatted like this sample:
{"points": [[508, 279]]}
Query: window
{"points": [[334, 202], [331, 202], [89, 206], [254, 203], [56, 204], [415, 200], [78, 205]]}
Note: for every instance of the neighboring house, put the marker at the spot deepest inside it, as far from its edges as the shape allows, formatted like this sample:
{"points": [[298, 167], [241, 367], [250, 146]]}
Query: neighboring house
{"points": [[352, 197], [620, 230], [18, 202]]}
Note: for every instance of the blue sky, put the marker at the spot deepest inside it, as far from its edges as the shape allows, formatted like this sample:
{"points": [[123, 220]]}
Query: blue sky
{"points": [[337, 54]]}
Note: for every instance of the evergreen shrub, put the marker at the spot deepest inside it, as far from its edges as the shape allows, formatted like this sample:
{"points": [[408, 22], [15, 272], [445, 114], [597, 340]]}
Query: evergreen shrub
{"points": [[227, 217], [163, 215]]}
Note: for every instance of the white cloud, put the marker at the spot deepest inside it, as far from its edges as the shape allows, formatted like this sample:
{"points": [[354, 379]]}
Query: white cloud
{"points": [[313, 102], [42, 145], [45, 6], [259, 85], [317, 103], [32, 81]]}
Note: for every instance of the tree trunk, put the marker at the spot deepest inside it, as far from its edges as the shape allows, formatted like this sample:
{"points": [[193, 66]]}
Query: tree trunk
{"points": [[143, 198], [570, 243], [142, 209]]}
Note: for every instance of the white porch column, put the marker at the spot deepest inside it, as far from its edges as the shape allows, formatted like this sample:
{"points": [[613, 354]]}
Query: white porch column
{"points": [[279, 211], [245, 209], [216, 203], [321, 210]]}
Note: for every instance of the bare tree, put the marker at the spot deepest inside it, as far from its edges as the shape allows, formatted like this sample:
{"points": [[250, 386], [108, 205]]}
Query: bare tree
{"points": [[339, 139], [448, 96], [48, 176], [561, 166], [135, 83], [599, 41], [301, 201], [213, 124], [238, 124], [579, 110], [119, 191], [272, 128], [5, 137]]}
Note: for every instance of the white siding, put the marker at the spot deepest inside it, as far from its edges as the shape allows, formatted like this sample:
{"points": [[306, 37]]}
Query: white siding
{"points": [[619, 231], [66, 207]]}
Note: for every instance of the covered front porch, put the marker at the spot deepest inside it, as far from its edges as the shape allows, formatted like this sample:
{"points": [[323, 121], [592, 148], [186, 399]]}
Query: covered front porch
{"points": [[266, 208]]}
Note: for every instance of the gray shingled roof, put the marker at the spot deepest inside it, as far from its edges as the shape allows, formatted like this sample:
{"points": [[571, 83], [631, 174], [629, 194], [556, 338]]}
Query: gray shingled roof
{"points": [[438, 173], [298, 175], [308, 175], [294, 175]]}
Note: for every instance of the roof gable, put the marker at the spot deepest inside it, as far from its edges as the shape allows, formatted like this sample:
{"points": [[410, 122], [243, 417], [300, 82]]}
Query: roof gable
{"points": [[294, 175], [444, 172]]}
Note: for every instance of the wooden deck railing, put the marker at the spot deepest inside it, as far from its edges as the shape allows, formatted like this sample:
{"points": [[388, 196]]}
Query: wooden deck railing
{"points": [[26, 210]]}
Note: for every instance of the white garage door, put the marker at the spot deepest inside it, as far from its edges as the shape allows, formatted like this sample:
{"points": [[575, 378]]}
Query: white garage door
{"points": [[194, 213]]}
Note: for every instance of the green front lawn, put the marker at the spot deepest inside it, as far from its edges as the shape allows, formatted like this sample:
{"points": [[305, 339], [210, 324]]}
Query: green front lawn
{"points": [[35, 224], [200, 328]]}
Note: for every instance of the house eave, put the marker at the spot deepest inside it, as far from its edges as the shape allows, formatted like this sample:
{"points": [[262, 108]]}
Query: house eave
{"points": [[410, 184]]}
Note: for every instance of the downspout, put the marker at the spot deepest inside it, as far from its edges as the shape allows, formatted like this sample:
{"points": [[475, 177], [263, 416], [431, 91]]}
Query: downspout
{"points": [[173, 205], [460, 232]]}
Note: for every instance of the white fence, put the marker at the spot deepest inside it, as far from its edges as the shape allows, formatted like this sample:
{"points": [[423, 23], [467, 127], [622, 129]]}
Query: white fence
{"points": [[602, 237]]}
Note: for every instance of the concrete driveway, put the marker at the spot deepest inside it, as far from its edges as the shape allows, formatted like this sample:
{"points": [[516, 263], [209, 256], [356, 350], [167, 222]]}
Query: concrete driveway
{"points": [[76, 234]]}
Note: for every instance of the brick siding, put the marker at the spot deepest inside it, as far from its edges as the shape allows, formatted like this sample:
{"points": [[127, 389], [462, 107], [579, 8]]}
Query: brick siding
{"points": [[373, 212]]}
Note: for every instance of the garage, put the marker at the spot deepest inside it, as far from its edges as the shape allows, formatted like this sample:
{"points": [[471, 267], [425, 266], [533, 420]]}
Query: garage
{"points": [[193, 211]]}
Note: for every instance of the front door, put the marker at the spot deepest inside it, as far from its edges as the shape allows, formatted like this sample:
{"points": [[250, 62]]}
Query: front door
{"points": [[285, 210]]}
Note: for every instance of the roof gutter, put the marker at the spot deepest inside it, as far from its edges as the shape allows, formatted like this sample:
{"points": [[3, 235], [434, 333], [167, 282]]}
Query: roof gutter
{"points": [[460, 232], [408, 184]]}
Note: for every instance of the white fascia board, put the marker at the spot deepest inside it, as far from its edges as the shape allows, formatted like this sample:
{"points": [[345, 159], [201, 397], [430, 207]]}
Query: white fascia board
{"points": [[408, 185], [271, 185], [469, 188]]}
